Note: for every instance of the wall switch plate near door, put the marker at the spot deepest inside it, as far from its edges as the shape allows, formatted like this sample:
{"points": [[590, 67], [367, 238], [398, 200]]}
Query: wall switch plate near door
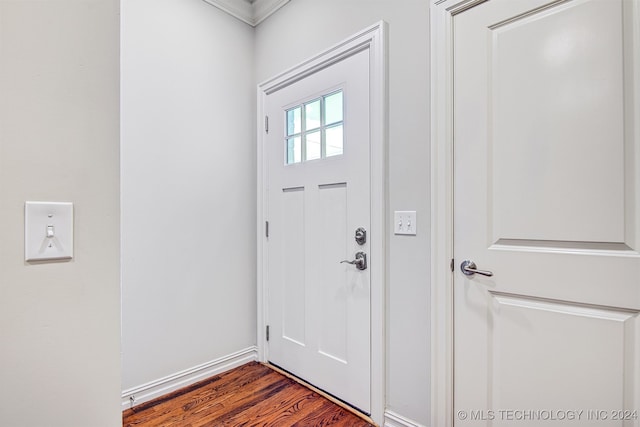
{"points": [[405, 223], [48, 231]]}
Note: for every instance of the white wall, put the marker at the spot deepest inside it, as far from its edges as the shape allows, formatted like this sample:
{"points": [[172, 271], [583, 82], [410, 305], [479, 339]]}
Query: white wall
{"points": [[60, 321], [306, 27], [188, 187]]}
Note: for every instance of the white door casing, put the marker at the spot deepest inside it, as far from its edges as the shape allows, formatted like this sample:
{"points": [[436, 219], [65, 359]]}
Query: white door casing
{"points": [[313, 184], [543, 100]]}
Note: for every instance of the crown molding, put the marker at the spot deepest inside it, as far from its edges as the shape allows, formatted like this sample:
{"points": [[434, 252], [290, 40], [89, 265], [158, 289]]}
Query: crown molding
{"points": [[252, 13]]}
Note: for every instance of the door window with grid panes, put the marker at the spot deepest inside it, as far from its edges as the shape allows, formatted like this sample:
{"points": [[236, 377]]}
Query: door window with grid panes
{"points": [[315, 129]]}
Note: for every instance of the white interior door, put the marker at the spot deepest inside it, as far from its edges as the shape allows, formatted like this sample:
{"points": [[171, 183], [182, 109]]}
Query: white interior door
{"points": [[318, 196], [547, 198]]}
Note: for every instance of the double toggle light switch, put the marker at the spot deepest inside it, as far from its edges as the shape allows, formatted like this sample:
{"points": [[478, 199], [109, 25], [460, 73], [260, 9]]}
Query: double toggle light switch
{"points": [[405, 223]]}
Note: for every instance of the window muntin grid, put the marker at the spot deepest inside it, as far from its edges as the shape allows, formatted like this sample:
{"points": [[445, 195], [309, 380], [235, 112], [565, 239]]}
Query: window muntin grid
{"points": [[315, 129]]}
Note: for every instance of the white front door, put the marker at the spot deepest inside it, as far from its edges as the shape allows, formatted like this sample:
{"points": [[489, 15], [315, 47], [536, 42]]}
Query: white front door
{"points": [[318, 196], [547, 198]]}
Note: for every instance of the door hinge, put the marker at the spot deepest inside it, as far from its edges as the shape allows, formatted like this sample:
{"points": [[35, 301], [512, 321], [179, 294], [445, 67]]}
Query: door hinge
{"points": [[266, 228], [267, 332], [452, 265], [266, 124]]}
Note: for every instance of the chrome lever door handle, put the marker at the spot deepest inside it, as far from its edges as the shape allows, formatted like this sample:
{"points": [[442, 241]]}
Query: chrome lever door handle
{"points": [[469, 268], [360, 262]]}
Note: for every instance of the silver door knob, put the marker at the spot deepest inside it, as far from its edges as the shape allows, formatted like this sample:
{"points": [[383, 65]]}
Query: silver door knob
{"points": [[360, 262], [469, 269]]}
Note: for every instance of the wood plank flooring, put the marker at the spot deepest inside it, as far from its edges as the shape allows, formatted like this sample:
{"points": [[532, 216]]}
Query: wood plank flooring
{"points": [[251, 395]]}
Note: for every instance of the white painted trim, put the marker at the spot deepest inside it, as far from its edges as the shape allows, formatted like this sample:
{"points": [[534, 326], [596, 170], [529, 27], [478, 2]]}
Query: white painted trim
{"points": [[252, 13], [374, 39], [151, 390], [391, 419], [442, 13]]}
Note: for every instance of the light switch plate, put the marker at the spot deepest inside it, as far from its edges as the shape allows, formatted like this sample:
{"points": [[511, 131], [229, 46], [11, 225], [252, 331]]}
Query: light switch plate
{"points": [[405, 223], [48, 231]]}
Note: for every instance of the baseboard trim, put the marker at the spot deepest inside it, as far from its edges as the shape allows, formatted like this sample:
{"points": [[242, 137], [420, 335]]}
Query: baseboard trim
{"points": [[391, 419], [170, 383]]}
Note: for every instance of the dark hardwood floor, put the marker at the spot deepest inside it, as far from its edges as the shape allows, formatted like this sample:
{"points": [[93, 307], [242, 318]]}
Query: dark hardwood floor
{"points": [[251, 395]]}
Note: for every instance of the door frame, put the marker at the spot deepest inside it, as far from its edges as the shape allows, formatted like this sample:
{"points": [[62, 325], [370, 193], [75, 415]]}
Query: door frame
{"points": [[442, 14], [372, 38]]}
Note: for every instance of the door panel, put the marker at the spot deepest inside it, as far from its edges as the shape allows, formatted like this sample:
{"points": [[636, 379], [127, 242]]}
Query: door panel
{"points": [[545, 197], [558, 172], [549, 335], [318, 307], [293, 309], [336, 239]]}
